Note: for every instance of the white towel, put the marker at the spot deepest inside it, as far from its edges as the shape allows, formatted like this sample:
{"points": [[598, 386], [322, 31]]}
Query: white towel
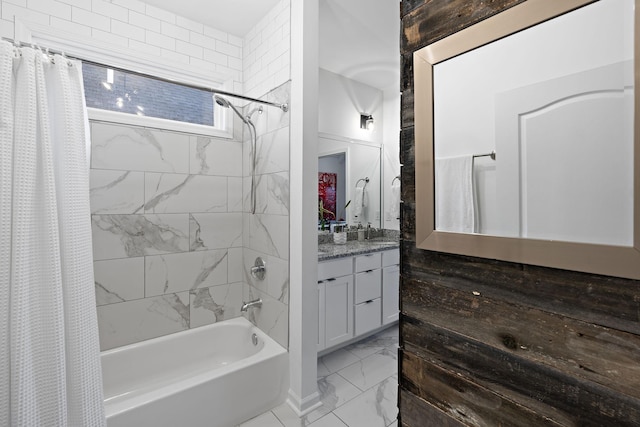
{"points": [[394, 209], [454, 194], [358, 201]]}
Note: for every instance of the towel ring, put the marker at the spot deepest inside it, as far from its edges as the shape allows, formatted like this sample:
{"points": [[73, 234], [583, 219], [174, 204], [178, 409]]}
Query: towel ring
{"points": [[365, 179]]}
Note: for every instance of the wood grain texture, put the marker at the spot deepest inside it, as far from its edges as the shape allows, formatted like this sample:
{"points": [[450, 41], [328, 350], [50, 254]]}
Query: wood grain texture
{"points": [[435, 19], [607, 301], [466, 401], [583, 402], [419, 413], [487, 342], [582, 350]]}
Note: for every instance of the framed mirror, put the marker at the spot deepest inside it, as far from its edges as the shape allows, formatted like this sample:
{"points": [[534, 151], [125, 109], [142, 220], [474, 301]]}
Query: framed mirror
{"points": [[356, 165], [526, 138]]}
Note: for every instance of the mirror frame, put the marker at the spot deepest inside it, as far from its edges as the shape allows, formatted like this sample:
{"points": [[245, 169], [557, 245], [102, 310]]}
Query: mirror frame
{"points": [[618, 261]]}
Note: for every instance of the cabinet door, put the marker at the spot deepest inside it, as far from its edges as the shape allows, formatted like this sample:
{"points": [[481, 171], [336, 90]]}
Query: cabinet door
{"points": [[321, 315], [338, 298], [390, 294], [367, 316]]}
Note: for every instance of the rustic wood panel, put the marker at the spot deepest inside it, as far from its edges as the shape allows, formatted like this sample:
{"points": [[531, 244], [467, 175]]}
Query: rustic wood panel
{"points": [[407, 146], [607, 301], [583, 402], [436, 19], [482, 338], [410, 5], [419, 413], [466, 401], [406, 87], [583, 350]]}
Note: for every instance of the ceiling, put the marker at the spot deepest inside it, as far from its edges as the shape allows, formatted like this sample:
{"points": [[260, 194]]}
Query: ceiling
{"points": [[236, 17], [359, 39]]}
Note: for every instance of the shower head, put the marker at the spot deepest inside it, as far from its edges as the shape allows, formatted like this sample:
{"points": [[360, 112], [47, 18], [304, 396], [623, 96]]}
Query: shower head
{"points": [[226, 104], [221, 101]]}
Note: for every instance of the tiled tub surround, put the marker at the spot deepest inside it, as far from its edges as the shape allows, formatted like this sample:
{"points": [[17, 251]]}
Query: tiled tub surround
{"points": [[266, 234], [167, 231], [173, 237], [189, 376]]}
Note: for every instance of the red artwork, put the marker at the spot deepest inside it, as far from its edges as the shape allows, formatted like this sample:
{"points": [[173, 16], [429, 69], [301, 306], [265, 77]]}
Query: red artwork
{"points": [[327, 194]]}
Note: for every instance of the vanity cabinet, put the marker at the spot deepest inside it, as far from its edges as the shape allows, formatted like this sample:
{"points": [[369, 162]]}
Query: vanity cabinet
{"points": [[390, 286], [356, 295], [335, 298]]}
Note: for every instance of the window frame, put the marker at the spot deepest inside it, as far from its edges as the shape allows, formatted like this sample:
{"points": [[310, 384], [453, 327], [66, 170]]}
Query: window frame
{"points": [[108, 54]]}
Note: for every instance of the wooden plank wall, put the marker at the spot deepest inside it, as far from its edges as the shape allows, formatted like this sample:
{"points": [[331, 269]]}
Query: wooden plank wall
{"points": [[491, 343]]}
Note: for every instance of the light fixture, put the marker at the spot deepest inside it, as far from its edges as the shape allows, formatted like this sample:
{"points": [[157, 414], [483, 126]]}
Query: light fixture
{"points": [[366, 121]]}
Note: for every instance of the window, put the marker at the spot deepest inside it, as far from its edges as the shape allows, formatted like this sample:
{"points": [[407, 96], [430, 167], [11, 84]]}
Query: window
{"points": [[132, 94]]}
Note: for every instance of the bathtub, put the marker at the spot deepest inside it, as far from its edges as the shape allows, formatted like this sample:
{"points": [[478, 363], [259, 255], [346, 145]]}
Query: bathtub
{"points": [[210, 376]]}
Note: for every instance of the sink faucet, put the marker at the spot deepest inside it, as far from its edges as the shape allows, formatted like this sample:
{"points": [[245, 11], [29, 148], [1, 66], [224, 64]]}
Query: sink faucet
{"points": [[254, 303], [368, 231]]}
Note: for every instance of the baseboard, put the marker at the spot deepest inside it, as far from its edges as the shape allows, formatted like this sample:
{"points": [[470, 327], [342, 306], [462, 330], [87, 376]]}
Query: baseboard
{"points": [[303, 406]]}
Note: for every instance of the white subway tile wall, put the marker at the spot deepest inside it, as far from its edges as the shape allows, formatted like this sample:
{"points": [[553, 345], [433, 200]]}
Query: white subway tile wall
{"points": [[267, 52], [133, 24]]}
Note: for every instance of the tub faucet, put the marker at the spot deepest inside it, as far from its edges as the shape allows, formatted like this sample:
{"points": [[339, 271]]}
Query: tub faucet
{"points": [[254, 303]]}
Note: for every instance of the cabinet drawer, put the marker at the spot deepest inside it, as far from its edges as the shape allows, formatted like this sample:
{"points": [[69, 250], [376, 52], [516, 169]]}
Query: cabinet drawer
{"points": [[367, 316], [390, 258], [368, 285], [335, 268], [367, 262]]}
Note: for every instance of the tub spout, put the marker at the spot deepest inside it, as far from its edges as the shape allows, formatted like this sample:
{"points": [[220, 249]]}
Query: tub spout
{"points": [[254, 303]]}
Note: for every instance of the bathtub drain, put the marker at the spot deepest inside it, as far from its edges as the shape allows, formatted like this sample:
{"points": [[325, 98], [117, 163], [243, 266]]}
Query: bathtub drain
{"points": [[254, 339]]}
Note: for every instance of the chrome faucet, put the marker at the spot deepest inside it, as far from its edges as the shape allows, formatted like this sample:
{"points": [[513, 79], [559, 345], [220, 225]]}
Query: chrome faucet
{"points": [[254, 303]]}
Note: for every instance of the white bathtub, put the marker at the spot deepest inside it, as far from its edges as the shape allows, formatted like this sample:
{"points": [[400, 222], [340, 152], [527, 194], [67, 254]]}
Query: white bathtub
{"points": [[211, 376]]}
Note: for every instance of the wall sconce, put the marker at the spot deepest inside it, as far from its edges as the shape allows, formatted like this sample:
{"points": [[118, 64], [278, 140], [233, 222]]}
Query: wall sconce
{"points": [[366, 121]]}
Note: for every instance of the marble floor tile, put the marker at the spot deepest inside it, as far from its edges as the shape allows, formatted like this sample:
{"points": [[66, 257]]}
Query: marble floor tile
{"points": [[344, 404], [377, 407], [265, 420], [371, 370], [387, 338], [288, 417], [335, 361], [368, 346], [329, 420], [334, 392]]}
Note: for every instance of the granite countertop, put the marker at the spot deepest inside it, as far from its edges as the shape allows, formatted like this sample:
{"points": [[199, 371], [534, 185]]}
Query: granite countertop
{"points": [[328, 251]]}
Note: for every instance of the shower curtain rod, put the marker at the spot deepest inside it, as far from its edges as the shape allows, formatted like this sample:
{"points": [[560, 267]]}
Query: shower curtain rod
{"points": [[284, 107]]}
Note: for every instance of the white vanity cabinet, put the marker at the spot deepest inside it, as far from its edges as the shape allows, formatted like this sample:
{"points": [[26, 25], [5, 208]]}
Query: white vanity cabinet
{"points": [[390, 286], [356, 295], [368, 291], [335, 297]]}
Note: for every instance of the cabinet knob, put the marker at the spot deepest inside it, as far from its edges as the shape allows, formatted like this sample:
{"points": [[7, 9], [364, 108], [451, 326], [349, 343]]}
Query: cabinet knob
{"points": [[368, 302]]}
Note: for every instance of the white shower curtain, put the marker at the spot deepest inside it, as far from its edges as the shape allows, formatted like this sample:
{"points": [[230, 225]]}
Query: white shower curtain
{"points": [[49, 352]]}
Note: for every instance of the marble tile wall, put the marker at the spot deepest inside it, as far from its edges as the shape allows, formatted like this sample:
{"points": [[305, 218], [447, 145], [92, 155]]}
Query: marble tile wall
{"points": [[167, 219], [173, 236], [266, 234]]}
